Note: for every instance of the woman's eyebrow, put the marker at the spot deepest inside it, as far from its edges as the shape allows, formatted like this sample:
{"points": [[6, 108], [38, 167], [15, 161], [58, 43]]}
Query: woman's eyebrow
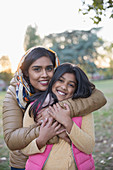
{"points": [[41, 66]]}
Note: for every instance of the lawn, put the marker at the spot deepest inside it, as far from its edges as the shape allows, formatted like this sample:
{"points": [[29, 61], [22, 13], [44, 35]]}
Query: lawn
{"points": [[103, 152]]}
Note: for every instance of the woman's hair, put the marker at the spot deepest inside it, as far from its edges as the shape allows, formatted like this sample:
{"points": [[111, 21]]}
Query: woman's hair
{"points": [[35, 54], [83, 90]]}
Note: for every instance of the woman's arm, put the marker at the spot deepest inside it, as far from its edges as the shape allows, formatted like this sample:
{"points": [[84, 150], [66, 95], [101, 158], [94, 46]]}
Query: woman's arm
{"points": [[48, 130], [16, 137], [83, 106]]}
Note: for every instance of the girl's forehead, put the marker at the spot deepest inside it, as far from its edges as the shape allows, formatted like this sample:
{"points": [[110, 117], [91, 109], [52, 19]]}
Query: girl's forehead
{"points": [[69, 76]]}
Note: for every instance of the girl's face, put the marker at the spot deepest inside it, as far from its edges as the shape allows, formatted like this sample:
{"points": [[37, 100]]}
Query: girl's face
{"points": [[40, 73], [65, 86]]}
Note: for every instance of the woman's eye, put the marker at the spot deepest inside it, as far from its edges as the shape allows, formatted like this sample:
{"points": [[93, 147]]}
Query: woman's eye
{"points": [[49, 68], [37, 69]]}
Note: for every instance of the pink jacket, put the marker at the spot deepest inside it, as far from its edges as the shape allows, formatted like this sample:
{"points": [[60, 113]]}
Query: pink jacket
{"points": [[82, 160]]}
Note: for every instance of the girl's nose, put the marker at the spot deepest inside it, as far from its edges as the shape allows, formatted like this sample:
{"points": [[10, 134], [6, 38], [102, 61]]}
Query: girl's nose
{"points": [[64, 87]]}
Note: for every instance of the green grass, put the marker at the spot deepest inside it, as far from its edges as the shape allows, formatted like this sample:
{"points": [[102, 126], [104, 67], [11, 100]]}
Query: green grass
{"points": [[103, 153]]}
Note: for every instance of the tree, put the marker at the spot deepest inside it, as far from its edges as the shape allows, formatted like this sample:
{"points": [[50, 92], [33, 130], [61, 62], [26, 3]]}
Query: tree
{"points": [[5, 70], [31, 37], [98, 7], [78, 47], [6, 76], [5, 64]]}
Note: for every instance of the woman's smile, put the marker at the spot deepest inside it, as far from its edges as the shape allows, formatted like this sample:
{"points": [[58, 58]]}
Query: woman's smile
{"points": [[40, 73]]}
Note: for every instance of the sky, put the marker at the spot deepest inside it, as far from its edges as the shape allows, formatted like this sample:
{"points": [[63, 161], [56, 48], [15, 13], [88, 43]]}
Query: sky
{"points": [[51, 16]]}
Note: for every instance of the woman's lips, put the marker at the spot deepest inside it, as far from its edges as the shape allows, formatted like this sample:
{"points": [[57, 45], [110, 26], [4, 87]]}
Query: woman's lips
{"points": [[44, 82]]}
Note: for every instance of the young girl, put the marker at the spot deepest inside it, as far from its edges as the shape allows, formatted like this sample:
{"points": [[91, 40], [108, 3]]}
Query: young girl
{"points": [[68, 81]]}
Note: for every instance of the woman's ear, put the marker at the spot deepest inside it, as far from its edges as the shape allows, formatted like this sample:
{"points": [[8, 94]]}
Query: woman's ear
{"points": [[26, 74]]}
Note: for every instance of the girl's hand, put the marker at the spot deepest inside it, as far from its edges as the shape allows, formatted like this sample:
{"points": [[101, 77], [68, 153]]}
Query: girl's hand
{"points": [[61, 115], [64, 136], [48, 130]]}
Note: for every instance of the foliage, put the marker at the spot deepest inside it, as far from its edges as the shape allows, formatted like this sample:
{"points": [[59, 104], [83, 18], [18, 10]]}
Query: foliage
{"points": [[31, 37], [99, 7], [6, 77], [5, 64], [78, 47]]}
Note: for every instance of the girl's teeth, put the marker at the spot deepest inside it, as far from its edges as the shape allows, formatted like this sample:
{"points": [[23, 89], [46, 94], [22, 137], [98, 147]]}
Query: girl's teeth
{"points": [[61, 93]]}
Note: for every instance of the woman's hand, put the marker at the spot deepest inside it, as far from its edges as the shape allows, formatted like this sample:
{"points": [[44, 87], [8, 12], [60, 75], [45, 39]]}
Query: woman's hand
{"points": [[42, 115], [61, 115], [48, 129]]}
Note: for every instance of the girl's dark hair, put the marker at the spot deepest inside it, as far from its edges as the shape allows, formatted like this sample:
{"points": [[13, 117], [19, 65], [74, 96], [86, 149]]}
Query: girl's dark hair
{"points": [[83, 90], [35, 54]]}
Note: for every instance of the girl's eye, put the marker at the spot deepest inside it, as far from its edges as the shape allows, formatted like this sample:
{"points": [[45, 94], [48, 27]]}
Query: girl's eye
{"points": [[71, 85], [60, 80]]}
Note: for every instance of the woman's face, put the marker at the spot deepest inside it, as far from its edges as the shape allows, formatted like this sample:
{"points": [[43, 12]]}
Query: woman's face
{"points": [[40, 73], [65, 86]]}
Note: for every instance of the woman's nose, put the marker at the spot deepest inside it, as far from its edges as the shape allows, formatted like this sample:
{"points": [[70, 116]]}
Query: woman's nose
{"points": [[44, 73]]}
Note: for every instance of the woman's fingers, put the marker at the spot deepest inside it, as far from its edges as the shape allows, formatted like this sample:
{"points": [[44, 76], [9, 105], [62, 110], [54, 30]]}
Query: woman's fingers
{"points": [[44, 122]]}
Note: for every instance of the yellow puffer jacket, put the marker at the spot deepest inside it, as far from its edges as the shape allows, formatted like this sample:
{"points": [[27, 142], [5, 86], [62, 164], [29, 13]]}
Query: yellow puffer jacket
{"points": [[17, 137]]}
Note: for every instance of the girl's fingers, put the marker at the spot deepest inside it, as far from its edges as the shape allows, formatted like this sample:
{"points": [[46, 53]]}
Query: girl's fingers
{"points": [[55, 108], [58, 127], [67, 107], [58, 106], [55, 124], [50, 121], [60, 131], [51, 109], [51, 113]]}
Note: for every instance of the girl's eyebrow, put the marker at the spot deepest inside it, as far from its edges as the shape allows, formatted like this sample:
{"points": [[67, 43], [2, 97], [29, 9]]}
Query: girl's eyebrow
{"points": [[69, 80]]}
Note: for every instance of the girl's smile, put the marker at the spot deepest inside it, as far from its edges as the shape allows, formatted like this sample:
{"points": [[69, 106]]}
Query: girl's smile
{"points": [[65, 86]]}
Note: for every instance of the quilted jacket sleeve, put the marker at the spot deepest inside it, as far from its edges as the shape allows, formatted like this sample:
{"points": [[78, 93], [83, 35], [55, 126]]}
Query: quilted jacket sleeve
{"points": [[16, 137], [83, 106]]}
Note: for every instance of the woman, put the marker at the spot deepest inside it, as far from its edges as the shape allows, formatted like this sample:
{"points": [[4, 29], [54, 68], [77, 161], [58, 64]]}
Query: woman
{"points": [[68, 81], [22, 86]]}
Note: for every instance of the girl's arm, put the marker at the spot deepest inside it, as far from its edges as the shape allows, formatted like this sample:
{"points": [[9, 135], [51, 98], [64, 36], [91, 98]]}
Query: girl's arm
{"points": [[84, 106], [84, 138], [47, 131]]}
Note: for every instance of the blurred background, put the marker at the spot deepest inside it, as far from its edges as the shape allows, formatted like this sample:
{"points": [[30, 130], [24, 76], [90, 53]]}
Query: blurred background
{"points": [[80, 32]]}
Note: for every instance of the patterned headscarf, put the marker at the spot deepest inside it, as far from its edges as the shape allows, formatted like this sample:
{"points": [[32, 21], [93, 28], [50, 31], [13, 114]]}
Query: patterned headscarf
{"points": [[23, 91]]}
